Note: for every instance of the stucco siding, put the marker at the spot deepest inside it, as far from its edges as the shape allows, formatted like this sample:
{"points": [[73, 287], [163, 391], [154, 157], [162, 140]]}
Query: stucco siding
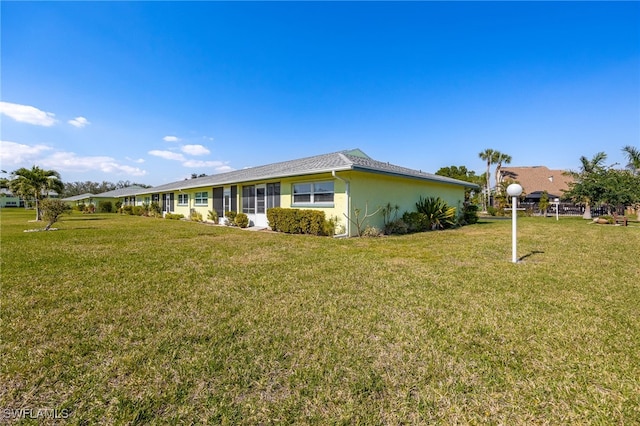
{"points": [[373, 191]]}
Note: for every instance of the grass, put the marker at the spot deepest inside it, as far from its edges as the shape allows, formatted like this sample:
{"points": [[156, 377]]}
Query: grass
{"points": [[130, 320]]}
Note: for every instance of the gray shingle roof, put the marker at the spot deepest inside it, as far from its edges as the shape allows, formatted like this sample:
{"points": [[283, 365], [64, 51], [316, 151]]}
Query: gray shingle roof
{"points": [[79, 197], [338, 161]]}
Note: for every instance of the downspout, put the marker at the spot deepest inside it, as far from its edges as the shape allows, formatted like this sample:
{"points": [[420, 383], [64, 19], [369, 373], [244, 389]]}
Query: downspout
{"points": [[348, 208]]}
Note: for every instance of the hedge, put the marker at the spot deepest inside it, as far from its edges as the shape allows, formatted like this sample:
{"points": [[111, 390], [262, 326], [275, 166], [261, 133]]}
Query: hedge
{"points": [[297, 221]]}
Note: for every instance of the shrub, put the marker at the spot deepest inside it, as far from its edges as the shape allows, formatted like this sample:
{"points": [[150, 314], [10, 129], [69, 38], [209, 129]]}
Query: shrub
{"points": [[155, 210], [52, 209], [230, 218], [415, 221], [372, 231], [127, 209], [118, 205], [397, 226], [242, 220], [492, 211], [174, 216], [469, 214], [439, 215], [137, 210], [213, 216], [195, 216], [105, 207], [300, 221], [79, 208]]}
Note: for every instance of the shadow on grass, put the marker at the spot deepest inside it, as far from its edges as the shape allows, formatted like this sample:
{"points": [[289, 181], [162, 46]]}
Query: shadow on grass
{"points": [[531, 253], [82, 218]]}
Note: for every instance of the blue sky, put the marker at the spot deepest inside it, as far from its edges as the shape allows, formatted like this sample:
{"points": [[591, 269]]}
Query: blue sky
{"points": [[154, 91]]}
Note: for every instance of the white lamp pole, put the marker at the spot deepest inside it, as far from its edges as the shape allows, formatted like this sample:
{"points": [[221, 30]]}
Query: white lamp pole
{"points": [[557, 201], [514, 190]]}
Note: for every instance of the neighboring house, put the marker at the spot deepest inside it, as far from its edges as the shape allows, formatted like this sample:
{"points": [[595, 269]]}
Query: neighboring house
{"points": [[82, 199], [7, 199], [126, 195], [339, 184], [536, 180]]}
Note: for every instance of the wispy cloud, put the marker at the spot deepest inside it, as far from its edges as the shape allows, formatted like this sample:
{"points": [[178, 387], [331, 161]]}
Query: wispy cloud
{"points": [[167, 155], [79, 122], [71, 162], [195, 150], [14, 153], [139, 160], [27, 114], [171, 139]]}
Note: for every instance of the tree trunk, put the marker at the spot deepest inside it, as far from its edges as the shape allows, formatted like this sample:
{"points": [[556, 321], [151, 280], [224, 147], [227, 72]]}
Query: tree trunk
{"points": [[587, 212]]}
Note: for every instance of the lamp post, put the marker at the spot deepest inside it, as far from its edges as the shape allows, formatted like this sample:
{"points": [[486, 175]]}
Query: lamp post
{"points": [[557, 201], [514, 190]]}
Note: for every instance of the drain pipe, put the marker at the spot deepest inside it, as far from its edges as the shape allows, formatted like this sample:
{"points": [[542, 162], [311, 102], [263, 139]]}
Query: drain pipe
{"points": [[348, 208]]}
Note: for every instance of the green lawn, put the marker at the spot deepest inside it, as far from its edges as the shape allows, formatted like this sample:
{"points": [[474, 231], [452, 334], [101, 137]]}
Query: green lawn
{"points": [[131, 320]]}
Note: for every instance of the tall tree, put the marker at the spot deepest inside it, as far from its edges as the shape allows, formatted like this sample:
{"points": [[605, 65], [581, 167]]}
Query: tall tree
{"points": [[586, 188], [35, 183], [633, 156], [488, 155], [500, 159]]}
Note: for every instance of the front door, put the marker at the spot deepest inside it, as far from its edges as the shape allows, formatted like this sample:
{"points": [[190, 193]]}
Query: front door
{"points": [[261, 202]]}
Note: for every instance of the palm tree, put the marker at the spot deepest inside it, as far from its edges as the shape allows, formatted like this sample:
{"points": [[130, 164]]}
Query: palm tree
{"points": [[500, 158], [633, 156], [488, 155], [36, 183], [587, 168]]}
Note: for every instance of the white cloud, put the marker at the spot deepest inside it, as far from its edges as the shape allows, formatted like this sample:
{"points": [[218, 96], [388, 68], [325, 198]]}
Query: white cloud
{"points": [[171, 139], [27, 114], [69, 161], [195, 150], [167, 155], [139, 160], [16, 153], [79, 122]]}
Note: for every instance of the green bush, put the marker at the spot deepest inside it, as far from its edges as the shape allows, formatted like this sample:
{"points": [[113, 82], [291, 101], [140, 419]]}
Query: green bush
{"points": [[213, 216], [79, 208], [127, 209], [469, 214], [415, 221], [174, 216], [242, 220], [52, 209], [155, 210], [105, 207], [137, 211], [300, 221], [230, 218], [397, 226], [492, 211], [118, 205], [195, 216]]}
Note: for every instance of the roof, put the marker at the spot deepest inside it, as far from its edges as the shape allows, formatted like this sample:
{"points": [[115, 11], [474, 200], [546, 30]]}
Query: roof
{"points": [[79, 197], [123, 192], [337, 161], [538, 179]]}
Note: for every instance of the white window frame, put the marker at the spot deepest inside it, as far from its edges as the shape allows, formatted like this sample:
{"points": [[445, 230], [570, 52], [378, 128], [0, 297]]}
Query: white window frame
{"points": [[200, 200], [183, 199], [313, 193]]}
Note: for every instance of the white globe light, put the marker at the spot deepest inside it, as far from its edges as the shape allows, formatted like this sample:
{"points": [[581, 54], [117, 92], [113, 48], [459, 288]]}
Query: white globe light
{"points": [[514, 190]]}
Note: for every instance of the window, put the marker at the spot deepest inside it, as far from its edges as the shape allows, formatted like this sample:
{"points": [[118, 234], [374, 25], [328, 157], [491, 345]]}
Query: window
{"points": [[248, 199], [183, 199], [313, 193], [273, 195], [201, 198]]}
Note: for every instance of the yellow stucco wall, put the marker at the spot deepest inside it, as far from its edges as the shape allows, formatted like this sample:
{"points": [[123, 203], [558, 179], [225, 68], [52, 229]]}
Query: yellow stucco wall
{"points": [[370, 190]]}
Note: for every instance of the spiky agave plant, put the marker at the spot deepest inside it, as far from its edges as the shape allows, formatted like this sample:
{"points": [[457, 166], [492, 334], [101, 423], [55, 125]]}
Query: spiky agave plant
{"points": [[439, 215]]}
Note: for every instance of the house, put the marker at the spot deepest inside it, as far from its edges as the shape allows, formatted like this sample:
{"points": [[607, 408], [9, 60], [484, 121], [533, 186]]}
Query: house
{"points": [[7, 199], [125, 195], [536, 180], [340, 184]]}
